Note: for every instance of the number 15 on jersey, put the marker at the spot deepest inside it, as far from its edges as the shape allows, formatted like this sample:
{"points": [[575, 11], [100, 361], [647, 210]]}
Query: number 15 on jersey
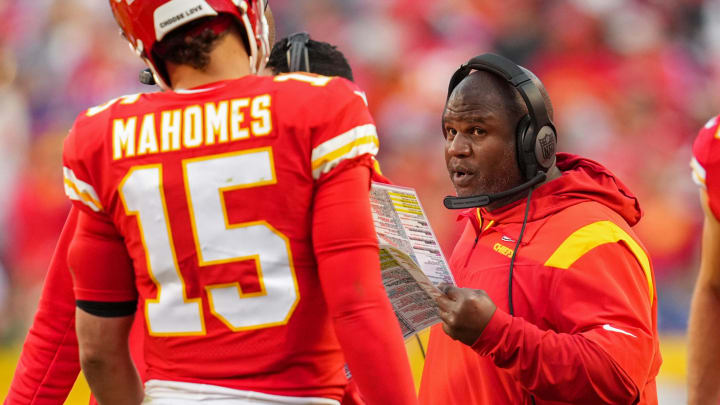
{"points": [[171, 312]]}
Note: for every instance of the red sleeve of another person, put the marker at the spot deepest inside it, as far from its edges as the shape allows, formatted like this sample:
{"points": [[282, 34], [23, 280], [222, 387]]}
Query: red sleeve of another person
{"points": [[48, 365], [352, 394], [349, 270]]}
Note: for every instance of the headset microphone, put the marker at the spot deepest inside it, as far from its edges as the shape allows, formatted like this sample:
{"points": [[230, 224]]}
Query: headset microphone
{"points": [[481, 200]]}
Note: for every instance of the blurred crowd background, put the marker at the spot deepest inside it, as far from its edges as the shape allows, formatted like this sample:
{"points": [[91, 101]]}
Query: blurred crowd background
{"points": [[631, 80]]}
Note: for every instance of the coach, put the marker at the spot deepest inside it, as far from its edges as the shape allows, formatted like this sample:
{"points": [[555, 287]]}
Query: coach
{"points": [[558, 303]]}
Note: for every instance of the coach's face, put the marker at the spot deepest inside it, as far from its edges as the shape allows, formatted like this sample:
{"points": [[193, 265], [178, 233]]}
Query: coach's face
{"points": [[479, 140]]}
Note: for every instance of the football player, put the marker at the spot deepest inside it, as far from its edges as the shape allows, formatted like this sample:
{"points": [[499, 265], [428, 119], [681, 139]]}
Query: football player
{"points": [[237, 313], [49, 362], [703, 350]]}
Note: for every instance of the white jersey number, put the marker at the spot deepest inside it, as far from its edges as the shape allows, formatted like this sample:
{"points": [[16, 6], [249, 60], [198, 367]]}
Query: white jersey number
{"points": [[217, 242]]}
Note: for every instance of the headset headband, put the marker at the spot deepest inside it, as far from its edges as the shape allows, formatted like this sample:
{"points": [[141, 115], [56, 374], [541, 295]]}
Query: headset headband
{"points": [[297, 52], [511, 72]]}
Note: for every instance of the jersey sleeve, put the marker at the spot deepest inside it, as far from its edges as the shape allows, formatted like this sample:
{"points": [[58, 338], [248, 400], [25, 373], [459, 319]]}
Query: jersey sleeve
{"points": [[102, 268], [346, 249], [705, 162], [78, 155], [48, 364], [344, 134], [98, 259]]}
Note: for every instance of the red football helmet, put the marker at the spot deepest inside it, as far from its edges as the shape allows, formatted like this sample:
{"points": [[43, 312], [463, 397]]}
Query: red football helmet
{"points": [[146, 22]]}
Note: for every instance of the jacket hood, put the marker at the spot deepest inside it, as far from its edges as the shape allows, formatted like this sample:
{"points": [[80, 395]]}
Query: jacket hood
{"points": [[582, 180]]}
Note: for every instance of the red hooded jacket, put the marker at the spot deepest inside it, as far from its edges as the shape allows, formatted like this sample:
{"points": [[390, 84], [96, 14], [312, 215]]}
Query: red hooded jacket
{"points": [[584, 329]]}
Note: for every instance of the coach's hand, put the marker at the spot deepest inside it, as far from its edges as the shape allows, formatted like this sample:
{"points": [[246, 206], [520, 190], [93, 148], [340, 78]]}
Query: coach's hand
{"points": [[465, 312]]}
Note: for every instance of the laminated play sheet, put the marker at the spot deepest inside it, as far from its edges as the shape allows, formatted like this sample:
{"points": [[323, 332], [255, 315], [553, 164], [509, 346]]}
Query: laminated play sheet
{"points": [[411, 260]]}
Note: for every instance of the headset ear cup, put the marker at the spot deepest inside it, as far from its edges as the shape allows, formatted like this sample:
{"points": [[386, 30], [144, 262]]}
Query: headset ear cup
{"points": [[525, 156], [544, 147]]}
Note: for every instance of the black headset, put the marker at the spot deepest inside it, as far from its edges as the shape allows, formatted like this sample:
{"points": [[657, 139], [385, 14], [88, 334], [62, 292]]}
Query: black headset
{"points": [[298, 59]]}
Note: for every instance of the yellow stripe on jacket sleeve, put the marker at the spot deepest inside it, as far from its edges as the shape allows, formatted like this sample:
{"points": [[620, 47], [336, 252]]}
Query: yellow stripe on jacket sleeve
{"points": [[593, 235], [78, 190], [353, 143]]}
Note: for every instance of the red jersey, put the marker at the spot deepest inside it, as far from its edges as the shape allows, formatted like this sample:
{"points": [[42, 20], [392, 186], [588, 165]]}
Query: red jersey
{"points": [[49, 363], [584, 329], [705, 162], [212, 191]]}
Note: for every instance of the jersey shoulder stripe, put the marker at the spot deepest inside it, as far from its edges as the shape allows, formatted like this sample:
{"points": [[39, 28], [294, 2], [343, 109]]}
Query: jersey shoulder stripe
{"points": [[705, 162], [358, 141], [699, 174], [81, 191], [704, 157]]}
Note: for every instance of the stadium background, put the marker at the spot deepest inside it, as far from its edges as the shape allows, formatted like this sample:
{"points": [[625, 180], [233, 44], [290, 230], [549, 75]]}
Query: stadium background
{"points": [[632, 81]]}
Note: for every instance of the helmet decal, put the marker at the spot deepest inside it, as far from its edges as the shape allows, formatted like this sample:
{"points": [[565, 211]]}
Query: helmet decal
{"points": [[176, 13]]}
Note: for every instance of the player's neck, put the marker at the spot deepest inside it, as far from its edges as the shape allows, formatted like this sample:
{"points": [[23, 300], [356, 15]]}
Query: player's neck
{"points": [[228, 60]]}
